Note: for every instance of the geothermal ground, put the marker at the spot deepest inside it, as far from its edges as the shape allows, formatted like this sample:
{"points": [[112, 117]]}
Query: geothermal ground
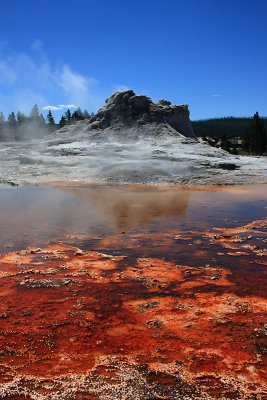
{"points": [[155, 154], [133, 293]]}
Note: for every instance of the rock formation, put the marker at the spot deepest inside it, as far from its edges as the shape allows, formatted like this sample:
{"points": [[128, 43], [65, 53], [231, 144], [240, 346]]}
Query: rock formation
{"points": [[126, 109], [130, 140]]}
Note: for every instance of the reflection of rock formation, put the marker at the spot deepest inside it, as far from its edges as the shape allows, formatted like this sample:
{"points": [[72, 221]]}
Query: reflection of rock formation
{"points": [[44, 214], [130, 209]]}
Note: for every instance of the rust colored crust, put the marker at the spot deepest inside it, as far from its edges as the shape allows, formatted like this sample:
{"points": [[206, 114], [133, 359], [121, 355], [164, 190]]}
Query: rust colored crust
{"points": [[149, 187], [83, 323]]}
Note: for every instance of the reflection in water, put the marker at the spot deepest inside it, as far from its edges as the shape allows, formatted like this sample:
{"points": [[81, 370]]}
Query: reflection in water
{"points": [[140, 294], [28, 214], [31, 215], [129, 209]]}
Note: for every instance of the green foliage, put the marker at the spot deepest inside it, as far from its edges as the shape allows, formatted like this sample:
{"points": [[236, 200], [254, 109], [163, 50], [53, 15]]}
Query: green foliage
{"points": [[42, 119], [229, 126], [50, 118], [68, 117], [21, 118], [62, 121], [12, 119], [255, 139], [86, 114], [51, 122], [251, 130], [234, 150], [78, 115], [22, 127], [34, 114]]}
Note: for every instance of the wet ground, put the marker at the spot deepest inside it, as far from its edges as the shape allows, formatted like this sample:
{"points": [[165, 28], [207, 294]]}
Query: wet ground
{"points": [[133, 293]]}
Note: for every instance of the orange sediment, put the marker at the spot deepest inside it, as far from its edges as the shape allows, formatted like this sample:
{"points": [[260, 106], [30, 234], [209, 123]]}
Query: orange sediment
{"points": [[94, 325]]}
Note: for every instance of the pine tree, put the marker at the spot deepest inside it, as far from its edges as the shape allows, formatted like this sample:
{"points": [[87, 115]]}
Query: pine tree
{"points": [[234, 151], [2, 124], [12, 122], [51, 122], [50, 118], [227, 146], [62, 121], [74, 117], [12, 126], [86, 114], [246, 142], [34, 114], [68, 117], [42, 120], [255, 140], [79, 114], [21, 118]]}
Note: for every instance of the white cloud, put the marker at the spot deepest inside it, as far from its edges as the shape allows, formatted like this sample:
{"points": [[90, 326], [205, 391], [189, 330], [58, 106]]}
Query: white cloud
{"points": [[31, 78], [216, 95], [52, 108], [67, 106], [76, 86], [37, 45], [59, 107], [7, 74]]}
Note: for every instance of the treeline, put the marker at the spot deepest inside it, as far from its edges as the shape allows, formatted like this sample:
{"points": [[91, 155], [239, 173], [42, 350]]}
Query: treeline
{"points": [[71, 118], [236, 135], [229, 126], [255, 139], [20, 126]]}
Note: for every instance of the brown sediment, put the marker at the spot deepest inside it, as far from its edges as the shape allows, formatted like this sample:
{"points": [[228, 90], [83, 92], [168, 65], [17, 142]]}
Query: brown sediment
{"points": [[149, 187], [90, 324]]}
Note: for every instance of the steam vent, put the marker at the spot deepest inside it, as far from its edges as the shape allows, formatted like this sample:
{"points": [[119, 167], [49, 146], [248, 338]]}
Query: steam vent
{"points": [[126, 109]]}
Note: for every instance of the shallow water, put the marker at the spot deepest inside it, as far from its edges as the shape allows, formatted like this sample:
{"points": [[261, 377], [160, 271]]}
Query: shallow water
{"points": [[133, 292], [32, 215]]}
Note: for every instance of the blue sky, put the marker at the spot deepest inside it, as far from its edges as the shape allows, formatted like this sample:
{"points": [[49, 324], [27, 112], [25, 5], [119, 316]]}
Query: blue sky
{"points": [[210, 54]]}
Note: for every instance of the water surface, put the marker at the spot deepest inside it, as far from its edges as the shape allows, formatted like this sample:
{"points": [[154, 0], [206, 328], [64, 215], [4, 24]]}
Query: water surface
{"points": [[31, 215], [133, 292]]}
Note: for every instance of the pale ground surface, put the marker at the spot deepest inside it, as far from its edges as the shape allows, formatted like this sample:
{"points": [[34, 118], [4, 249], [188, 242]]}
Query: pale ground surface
{"points": [[155, 154]]}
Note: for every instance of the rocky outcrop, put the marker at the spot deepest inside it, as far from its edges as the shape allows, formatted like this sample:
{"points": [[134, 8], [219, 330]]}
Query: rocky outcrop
{"points": [[126, 109]]}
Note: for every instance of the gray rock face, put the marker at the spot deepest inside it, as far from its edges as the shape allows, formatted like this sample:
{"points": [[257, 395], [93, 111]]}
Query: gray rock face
{"points": [[126, 109]]}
